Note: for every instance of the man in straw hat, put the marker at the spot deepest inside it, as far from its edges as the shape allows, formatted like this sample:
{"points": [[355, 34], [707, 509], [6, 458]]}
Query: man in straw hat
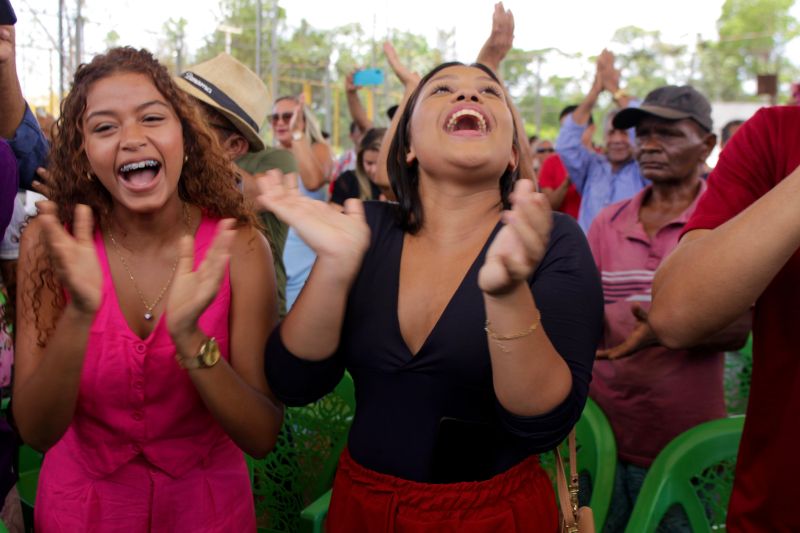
{"points": [[235, 103]]}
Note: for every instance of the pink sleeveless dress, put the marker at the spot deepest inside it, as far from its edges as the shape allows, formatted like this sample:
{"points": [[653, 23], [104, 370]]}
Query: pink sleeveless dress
{"points": [[142, 452]]}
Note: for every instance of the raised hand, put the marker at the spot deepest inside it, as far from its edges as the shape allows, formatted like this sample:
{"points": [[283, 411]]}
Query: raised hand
{"points": [[193, 290], [6, 43], [606, 72], [521, 244], [341, 236], [408, 78], [74, 258], [349, 85], [297, 123], [500, 40], [641, 337]]}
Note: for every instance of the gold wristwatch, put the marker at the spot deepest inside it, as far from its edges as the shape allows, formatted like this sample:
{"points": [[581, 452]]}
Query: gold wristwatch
{"points": [[208, 356]]}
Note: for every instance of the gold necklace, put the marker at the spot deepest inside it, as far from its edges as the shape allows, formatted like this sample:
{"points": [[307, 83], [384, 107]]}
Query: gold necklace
{"points": [[148, 315]]}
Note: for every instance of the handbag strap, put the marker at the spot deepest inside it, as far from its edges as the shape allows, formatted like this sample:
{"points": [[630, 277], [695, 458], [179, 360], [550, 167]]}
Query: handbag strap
{"points": [[568, 492]]}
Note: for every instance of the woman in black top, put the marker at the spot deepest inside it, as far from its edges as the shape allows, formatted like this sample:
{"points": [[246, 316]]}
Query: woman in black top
{"points": [[362, 182], [467, 314]]}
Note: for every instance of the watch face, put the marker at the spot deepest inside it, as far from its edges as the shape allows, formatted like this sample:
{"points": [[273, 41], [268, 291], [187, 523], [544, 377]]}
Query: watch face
{"points": [[210, 354]]}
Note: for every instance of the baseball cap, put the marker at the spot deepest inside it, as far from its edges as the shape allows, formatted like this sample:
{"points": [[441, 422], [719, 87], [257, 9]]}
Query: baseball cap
{"points": [[669, 102]]}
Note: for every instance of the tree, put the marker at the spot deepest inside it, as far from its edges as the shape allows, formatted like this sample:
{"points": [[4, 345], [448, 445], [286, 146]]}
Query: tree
{"points": [[648, 62], [315, 60], [753, 35], [172, 48], [111, 40]]}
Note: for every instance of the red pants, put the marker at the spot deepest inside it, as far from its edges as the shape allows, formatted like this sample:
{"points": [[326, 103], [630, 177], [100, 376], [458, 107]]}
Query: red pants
{"points": [[365, 501]]}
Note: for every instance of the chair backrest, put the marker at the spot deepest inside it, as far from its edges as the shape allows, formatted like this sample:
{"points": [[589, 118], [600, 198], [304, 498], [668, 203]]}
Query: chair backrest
{"points": [[694, 471], [597, 459], [303, 463], [738, 374], [597, 456]]}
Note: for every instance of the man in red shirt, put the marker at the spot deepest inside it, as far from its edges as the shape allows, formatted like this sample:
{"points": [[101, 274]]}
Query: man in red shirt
{"points": [[739, 247], [553, 177]]}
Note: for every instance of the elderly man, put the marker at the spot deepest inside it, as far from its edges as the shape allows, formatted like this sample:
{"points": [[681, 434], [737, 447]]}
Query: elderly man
{"points": [[600, 179], [651, 393]]}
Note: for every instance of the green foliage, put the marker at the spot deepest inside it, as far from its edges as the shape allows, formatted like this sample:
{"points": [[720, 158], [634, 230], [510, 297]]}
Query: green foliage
{"points": [[648, 62], [172, 48], [320, 59], [752, 39], [112, 39]]}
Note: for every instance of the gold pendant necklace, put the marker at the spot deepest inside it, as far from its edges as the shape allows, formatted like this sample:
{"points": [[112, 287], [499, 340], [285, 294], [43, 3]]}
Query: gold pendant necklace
{"points": [[148, 315]]}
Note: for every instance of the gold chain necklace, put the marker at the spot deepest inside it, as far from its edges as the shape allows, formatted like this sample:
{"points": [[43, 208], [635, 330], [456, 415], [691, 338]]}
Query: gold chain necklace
{"points": [[148, 315]]}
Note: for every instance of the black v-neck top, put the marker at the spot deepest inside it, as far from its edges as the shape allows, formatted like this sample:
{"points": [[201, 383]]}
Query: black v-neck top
{"points": [[434, 417]]}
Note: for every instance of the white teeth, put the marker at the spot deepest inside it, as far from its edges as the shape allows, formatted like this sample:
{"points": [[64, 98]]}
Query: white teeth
{"points": [[130, 167], [471, 112]]}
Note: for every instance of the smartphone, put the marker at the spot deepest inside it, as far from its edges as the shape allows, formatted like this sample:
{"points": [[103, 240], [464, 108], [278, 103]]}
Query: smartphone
{"points": [[369, 76], [7, 16]]}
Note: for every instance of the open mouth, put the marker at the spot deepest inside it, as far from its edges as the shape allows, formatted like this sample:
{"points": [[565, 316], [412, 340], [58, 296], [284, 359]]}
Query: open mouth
{"points": [[467, 122], [139, 174]]}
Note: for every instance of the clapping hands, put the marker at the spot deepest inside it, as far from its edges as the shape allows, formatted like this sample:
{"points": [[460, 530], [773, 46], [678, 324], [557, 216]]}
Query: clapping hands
{"points": [[74, 258], [500, 40], [338, 237], [521, 244], [193, 290]]}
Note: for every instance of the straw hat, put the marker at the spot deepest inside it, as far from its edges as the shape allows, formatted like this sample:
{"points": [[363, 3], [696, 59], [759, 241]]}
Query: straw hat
{"points": [[232, 89]]}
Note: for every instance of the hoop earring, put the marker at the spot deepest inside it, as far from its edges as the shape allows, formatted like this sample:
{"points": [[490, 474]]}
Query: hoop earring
{"points": [[89, 177]]}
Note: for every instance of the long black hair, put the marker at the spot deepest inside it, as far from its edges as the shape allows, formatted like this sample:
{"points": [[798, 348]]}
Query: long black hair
{"points": [[404, 177]]}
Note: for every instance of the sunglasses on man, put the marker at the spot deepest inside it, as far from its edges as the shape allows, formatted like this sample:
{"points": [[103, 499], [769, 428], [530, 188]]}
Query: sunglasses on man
{"points": [[545, 150]]}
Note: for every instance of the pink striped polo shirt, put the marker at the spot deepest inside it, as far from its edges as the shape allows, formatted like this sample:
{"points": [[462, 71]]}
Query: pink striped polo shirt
{"points": [[656, 394]]}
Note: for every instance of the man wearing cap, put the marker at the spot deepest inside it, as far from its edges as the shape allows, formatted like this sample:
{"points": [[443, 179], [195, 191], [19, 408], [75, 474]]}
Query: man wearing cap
{"points": [[651, 393], [235, 103]]}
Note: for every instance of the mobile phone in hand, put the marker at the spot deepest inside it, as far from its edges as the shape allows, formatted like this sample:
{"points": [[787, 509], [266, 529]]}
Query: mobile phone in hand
{"points": [[369, 76], [7, 16]]}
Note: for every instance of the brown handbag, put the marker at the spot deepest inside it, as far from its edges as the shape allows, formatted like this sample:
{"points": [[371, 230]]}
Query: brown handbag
{"points": [[573, 519]]}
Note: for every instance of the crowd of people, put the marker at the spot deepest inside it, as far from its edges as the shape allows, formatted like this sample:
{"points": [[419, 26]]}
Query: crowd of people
{"points": [[183, 282]]}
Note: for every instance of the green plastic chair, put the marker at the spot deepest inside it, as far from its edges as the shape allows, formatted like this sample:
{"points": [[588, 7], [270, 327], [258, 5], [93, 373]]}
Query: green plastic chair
{"points": [[597, 457], [694, 471], [30, 462], [302, 465], [737, 378]]}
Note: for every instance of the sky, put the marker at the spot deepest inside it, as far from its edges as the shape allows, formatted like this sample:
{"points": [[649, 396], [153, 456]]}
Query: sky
{"points": [[573, 26]]}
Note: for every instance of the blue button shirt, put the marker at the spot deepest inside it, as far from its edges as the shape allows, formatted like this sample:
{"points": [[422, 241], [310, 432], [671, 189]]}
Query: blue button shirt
{"points": [[592, 175], [30, 148]]}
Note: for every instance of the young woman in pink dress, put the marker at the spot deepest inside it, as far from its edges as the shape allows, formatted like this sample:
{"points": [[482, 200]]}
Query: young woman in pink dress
{"points": [[141, 337]]}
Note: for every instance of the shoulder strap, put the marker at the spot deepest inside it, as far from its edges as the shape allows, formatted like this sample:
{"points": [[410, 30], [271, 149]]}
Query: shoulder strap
{"points": [[568, 492]]}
